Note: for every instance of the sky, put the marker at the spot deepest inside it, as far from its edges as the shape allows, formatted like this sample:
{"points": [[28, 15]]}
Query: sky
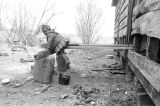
{"points": [[65, 11]]}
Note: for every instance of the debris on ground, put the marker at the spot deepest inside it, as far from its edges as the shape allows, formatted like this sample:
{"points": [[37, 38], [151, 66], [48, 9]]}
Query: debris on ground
{"points": [[28, 59], [43, 89], [19, 48], [30, 78], [83, 75], [114, 65], [86, 88], [4, 54], [5, 81], [64, 96], [86, 96], [69, 51], [109, 56], [103, 69], [118, 72], [106, 67]]}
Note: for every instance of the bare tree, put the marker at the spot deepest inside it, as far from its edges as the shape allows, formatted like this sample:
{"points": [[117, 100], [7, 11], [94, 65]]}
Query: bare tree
{"points": [[24, 25], [88, 22], [3, 6]]}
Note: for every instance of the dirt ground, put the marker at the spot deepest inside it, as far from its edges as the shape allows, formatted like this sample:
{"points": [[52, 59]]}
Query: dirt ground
{"points": [[88, 86]]}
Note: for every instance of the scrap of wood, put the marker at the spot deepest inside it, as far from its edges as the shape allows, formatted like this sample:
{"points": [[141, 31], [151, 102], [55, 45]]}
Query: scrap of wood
{"points": [[23, 60], [15, 48], [102, 69], [117, 72], [4, 54], [44, 88], [30, 78]]}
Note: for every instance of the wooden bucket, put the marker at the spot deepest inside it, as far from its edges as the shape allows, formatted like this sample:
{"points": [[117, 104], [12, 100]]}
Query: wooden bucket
{"points": [[44, 69]]}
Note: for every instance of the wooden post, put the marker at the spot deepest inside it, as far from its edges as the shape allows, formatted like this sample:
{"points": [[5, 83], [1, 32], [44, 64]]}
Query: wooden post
{"points": [[137, 39], [129, 20], [152, 48], [129, 72], [142, 97], [147, 47]]}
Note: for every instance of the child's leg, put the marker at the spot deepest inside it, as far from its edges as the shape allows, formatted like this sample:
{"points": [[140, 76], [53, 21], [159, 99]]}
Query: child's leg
{"points": [[63, 62]]}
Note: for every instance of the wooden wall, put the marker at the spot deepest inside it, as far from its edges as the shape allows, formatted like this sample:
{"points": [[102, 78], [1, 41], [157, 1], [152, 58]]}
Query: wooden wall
{"points": [[121, 18], [146, 18]]}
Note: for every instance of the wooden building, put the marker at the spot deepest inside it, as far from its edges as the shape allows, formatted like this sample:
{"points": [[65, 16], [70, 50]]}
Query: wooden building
{"points": [[137, 22]]}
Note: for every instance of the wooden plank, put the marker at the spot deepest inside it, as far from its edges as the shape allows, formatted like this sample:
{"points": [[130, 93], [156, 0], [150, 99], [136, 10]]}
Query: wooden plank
{"points": [[115, 35], [119, 6], [135, 12], [98, 45], [122, 32], [152, 92], [123, 23], [149, 24], [149, 5], [117, 15], [116, 29], [124, 14], [133, 24], [125, 5], [116, 24], [146, 6], [120, 2], [92, 47], [134, 29], [88, 46], [117, 10], [149, 69]]}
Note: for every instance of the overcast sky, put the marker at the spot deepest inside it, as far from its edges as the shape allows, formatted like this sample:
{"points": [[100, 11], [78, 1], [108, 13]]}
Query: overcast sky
{"points": [[64, 21]]}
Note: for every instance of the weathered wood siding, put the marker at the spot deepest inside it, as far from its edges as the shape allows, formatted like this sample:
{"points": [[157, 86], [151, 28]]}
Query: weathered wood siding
{"points": [[123, 19], [147, 72], [147, 67], [121, 15], [146, 18], [117, 16]]}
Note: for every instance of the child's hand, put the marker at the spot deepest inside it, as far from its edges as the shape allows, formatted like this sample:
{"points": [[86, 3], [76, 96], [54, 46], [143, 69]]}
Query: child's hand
{"points": [[41, 54], [44, 46]]}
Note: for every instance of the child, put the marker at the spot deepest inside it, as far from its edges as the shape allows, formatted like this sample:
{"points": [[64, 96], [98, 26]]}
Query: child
{"points": [[56, 43]]}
